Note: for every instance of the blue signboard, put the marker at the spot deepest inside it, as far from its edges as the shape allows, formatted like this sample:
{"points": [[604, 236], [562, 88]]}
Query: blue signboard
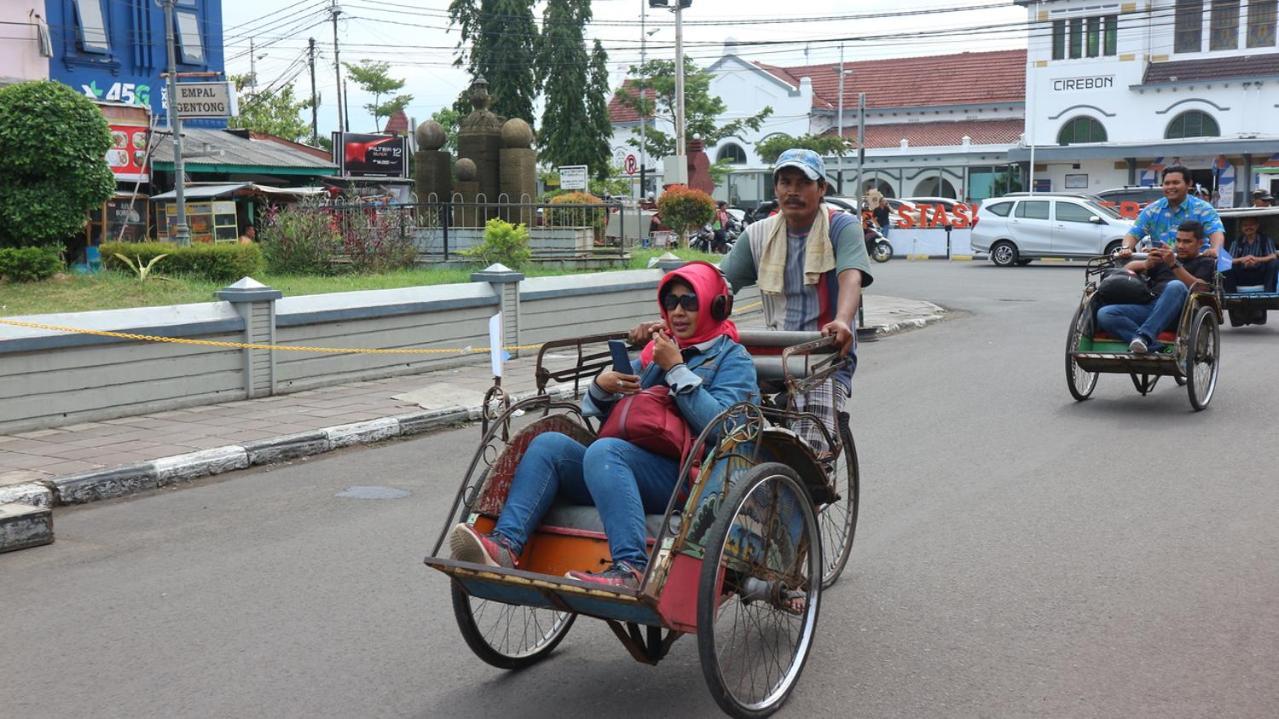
{"points": [[115, 51]]}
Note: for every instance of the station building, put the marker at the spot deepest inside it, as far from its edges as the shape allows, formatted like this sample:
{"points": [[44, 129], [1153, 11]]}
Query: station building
{"points": [[1115, 92]]}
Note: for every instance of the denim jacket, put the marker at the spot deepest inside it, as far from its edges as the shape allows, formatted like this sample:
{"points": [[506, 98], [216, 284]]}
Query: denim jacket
{"points": [[708, 383]]}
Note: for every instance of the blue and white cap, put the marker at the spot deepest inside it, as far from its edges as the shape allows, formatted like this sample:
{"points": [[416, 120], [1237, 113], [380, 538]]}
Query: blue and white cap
{"points": [[807, 160]]}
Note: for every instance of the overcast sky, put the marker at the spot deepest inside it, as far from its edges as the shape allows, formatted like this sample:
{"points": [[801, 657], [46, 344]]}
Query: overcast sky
{"points": [[412, 35]]}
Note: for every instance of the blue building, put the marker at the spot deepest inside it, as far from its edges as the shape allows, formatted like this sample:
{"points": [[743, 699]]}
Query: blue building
{"points": [[114, 50]]}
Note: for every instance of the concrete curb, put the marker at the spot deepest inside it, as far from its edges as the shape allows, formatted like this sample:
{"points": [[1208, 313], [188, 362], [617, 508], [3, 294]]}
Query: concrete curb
{"points": [[115, 482]]}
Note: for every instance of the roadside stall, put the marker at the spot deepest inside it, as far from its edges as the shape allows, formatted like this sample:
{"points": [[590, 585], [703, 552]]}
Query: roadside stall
{"points": [[221, 212]]}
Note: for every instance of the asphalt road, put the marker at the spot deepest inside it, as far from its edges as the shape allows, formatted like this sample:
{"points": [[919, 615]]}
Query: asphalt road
{"points": [[1019, 554]]}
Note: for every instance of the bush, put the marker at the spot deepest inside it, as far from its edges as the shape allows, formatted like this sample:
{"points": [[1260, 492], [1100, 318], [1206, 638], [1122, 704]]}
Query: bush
{"points": [[53, 168], [378, 239], [30, 264], [300, 240], [218, 262], [580, 214], [503, 242], [684, 209]]}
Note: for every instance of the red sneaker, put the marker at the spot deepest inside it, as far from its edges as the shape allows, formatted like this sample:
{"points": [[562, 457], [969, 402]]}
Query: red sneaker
{"points": [[619, 576], [469, 545]]}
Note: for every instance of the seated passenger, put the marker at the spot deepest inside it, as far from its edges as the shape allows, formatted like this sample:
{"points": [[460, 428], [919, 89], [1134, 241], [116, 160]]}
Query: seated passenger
{"points": [[1254, 264], [1172, 278], [698, 357]]}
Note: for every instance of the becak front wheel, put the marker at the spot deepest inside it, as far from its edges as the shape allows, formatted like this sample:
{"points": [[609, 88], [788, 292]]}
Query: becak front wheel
{"points": [[758, 592], [508, 636]]}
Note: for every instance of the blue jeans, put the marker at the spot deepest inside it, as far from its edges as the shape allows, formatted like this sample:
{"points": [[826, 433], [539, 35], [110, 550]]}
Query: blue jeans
{"points": [[1145, 321], [623, 481]]}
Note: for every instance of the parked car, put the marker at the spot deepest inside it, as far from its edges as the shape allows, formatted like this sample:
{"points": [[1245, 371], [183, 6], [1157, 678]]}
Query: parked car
{"points": [[1014, 230]]}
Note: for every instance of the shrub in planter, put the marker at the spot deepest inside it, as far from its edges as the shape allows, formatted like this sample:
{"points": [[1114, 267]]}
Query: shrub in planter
{"points": [[579, 212], [684, 209], [219, 263], [503, 242], [30, 264], [300, 240]]}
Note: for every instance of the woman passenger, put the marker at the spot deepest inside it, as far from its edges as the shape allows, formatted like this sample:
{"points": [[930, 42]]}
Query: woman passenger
{"points": [[697, 356]]}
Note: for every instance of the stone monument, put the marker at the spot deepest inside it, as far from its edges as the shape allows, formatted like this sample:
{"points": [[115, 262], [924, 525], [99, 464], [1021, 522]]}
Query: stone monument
{"points": [[468, 215], [433, 172], [480, 140], [517, 172], [699, 166]]}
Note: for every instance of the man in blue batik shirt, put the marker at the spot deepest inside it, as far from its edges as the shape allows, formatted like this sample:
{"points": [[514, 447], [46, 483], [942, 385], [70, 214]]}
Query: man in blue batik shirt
{"points": [[1161, 218]]}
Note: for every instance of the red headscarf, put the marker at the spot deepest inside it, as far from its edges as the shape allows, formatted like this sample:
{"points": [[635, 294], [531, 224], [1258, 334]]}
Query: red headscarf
{"points": [[707, 284]]}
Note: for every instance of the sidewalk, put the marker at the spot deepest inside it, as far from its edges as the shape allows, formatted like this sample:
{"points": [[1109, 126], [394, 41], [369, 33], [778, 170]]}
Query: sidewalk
{"points": [[100, 460]]}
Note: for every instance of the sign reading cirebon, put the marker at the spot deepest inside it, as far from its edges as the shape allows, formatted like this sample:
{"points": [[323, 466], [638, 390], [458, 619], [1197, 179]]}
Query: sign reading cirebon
{"points": [[205, 100]]}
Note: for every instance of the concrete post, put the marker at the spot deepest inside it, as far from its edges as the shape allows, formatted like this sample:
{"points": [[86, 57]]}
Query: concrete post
{"points": [[506, 285], [255, 303]]}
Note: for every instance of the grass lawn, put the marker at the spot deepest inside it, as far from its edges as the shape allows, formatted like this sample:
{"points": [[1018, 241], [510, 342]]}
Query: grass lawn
{"points": [[111, 290]]}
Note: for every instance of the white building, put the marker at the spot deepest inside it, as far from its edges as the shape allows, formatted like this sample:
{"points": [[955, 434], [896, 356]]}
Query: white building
{"points": [[940, 125], [1117, 91]]}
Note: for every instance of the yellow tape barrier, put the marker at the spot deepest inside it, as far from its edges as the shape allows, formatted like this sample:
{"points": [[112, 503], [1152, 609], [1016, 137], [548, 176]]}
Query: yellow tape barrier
{"points": [[273, 348]]}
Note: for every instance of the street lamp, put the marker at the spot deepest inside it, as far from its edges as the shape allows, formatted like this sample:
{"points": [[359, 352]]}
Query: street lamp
{"points": [[680, 149]]}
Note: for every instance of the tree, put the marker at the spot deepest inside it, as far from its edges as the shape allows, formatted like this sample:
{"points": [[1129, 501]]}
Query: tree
{"points": [[565, 69], [599, 124], [701, 109], [451, 120], [275, 112], [685, 209], [773, 145], [502, 38], [53, 169], [375, 79]]}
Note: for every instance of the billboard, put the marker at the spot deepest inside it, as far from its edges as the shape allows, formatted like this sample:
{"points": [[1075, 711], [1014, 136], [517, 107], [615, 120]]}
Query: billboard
{"points": [[130, 132], [359, 155]]}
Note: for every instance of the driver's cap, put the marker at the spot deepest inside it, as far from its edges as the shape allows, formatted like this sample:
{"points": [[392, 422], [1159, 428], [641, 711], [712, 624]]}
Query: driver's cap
{"points": [[807, 160]]}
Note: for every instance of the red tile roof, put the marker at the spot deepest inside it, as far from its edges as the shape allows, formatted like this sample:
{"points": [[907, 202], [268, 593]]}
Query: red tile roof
{"points": [[397, 124], [932, 134], [964, 79], [620, 112], [1212, 69], [967, 78]]}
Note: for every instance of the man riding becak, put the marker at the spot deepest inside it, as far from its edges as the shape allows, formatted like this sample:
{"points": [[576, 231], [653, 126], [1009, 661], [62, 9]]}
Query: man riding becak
{"points": [[810, 264]]}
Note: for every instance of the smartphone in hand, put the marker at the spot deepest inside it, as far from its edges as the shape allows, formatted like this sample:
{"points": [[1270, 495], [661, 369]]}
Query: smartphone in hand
{"points": [[621, 358]]}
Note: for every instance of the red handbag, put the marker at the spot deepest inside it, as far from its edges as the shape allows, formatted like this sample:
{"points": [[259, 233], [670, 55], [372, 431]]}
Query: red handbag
{"points": [[650, 419]]}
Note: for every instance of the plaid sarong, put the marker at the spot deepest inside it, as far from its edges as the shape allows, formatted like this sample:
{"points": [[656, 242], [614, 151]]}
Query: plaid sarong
{"points": [[825, 401]]}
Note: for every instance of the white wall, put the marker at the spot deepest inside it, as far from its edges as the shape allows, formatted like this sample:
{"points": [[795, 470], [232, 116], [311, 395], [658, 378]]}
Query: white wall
{"points": [[20, 57]]}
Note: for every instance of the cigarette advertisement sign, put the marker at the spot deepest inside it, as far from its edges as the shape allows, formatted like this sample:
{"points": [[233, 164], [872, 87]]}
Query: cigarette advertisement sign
{"points": [[370, 155]]}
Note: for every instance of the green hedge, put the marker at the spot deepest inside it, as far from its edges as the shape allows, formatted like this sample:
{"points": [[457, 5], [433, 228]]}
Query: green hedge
{"points": [[220, 263], [29, 264]]}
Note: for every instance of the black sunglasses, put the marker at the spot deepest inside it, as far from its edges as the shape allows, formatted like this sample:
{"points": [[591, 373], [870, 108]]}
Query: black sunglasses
{"points": [[688, 302]]}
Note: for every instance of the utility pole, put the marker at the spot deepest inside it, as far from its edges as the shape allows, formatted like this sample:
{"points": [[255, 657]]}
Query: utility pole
{"points": [[643, 119], [861, 139], [346, 107], [334, 10], [839, 122], [253, 67], [181, 233], [680, 149], [315, 105]]}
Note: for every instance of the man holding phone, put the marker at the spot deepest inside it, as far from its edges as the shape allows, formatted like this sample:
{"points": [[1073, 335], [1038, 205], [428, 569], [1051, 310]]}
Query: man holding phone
{"points": [[1172, 276], [1162, 218]]}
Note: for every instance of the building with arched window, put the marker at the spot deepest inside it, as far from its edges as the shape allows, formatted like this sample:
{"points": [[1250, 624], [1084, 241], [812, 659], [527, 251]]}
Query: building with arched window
{"points": [[1115, 92]]}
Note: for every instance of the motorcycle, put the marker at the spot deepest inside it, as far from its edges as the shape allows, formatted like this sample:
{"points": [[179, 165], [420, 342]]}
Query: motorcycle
{"points": [[705, 241], [877, 247]]}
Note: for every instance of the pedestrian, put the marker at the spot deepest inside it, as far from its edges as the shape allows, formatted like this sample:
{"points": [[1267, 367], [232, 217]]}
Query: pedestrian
{"points": [[879, 208], [719, 226], [1261, 198], [1160, 219], [249, 235], [810, 265]]}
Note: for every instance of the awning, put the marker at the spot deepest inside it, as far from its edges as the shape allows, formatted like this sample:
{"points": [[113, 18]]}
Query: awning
{"points": [[207, 192], [1198, 147]]}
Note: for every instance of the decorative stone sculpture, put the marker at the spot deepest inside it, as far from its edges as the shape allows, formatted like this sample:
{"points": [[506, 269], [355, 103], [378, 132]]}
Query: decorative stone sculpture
{"points": [[518, 171], [433, 178], [480, 139]]}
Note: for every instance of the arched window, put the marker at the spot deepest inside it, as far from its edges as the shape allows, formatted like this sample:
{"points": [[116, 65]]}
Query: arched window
{"points": [[935, 187], [732, 152], [1081, 129], [884, 188], [1192, 123]]}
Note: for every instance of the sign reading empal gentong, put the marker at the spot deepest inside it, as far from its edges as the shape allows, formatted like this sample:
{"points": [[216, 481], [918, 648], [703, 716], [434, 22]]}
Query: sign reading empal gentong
{"points": [[205, 100]]}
